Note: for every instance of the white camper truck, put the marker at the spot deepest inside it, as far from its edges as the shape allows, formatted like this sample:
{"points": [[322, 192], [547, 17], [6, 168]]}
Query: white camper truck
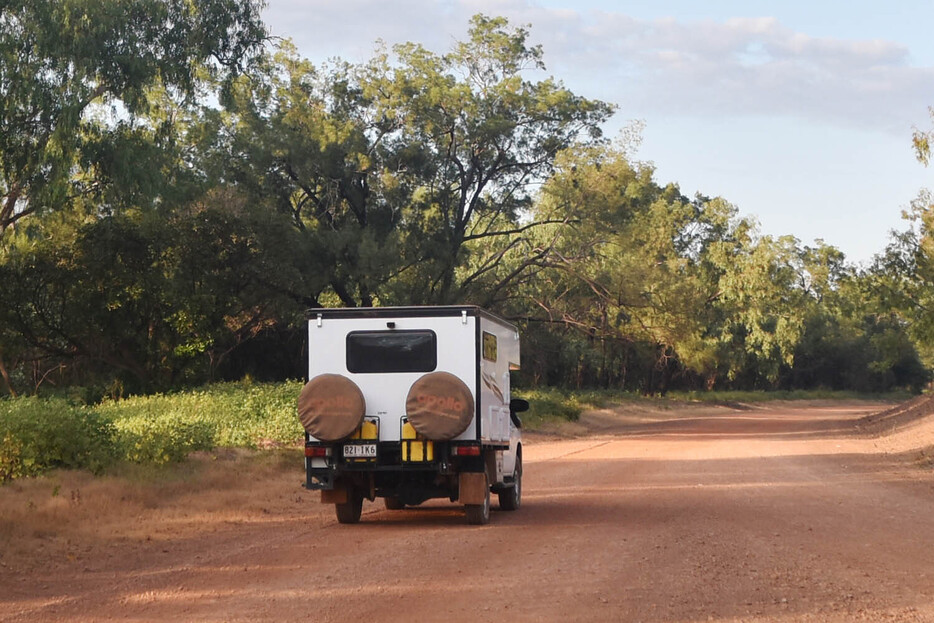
{"points": [[409, 404]]}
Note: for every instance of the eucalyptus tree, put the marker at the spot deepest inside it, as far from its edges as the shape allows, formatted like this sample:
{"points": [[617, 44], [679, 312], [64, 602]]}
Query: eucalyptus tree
{"points": [[485, 136], [63, 61], [412, 171], [644, 272], [89, 96]]}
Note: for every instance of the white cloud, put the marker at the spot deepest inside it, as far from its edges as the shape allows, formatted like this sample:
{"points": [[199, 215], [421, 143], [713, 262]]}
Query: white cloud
{"points": [[741, 66], [756, 67]]}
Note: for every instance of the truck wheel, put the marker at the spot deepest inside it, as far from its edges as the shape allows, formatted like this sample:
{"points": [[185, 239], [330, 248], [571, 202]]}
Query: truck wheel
{"points": [[393, 503], [511, 498], [349, 511], [479, 514]]}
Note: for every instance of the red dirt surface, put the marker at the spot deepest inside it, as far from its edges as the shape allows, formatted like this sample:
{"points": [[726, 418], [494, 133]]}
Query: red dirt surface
{"points": [[778, 512]]}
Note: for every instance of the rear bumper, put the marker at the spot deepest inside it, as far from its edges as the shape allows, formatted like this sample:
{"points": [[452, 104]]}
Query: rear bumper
{"points": [[388, 470]]}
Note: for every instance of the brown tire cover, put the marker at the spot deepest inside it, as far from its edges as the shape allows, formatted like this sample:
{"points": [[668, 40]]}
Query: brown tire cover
{"points": [[439, 406], [331, 407]]}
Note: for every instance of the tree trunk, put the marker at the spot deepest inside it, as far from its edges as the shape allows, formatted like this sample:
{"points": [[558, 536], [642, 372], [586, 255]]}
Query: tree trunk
{"points": [[6, 378], [711, 381]]}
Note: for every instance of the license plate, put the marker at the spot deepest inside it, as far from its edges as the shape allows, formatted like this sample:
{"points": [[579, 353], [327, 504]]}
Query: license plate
{"points": [[360, 451]]}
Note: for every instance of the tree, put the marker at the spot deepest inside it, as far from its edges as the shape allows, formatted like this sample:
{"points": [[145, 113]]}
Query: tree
{"points": [[62, 62], [902, 276], [412, 173], [669, 286], [628, 271], [486, 136], [298, 141], [922, 140], [151, 303]]}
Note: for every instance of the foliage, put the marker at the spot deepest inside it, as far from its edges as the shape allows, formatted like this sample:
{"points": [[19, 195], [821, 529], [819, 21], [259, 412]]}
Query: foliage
{"points": [[900, 282], [150, 306], [236, 414], [62, 61], [550, 402], [165, 438], [922, 140], [646, 273], [410, 173], [43, 433], [166, 218], [36, 435]]}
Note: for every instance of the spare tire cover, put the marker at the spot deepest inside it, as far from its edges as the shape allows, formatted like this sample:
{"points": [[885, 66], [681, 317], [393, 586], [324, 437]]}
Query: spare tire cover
{"points": [[439, 406], [331, 407]]}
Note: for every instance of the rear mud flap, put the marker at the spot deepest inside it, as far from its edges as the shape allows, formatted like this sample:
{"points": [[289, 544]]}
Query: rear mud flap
{"points": [[341, 493], [334, 496], [472, 488]]}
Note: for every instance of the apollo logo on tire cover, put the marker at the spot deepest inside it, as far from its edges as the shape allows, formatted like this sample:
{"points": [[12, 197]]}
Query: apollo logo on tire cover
{"points": [[440, 406], [337, 403], [444, 406]]}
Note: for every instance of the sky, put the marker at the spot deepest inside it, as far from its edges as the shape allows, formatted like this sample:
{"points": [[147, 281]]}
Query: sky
{"points": [[800, 113]]}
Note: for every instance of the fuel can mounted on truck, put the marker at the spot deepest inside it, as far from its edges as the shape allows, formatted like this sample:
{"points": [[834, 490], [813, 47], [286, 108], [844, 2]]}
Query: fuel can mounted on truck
{"points": [[410, 404]]}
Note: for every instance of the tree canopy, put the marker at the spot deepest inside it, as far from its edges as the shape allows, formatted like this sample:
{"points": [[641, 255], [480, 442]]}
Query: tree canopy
{"points": [[176, 190], [64, 62], [413, 171]]}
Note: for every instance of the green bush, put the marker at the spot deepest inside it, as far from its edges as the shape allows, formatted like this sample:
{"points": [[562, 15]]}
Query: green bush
{"points": [[239, 414], [551, 402], [162, 439], [39, 434]]}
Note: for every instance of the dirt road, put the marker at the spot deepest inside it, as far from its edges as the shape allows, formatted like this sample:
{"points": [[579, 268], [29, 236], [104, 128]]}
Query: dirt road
{"points": [[777, 513]]}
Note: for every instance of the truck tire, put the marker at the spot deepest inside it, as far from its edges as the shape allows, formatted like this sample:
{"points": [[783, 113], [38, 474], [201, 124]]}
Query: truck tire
{"points": [[440, 406], [331, 407], [479, 514], [510, 499], [350, 511]]}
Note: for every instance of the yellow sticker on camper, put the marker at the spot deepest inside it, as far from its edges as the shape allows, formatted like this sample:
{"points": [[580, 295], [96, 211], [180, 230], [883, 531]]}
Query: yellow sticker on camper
{"points": [[489, 346]]}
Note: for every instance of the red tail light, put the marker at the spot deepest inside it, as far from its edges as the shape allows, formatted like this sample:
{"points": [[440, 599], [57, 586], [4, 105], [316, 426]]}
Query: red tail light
{"points": [[317, 452], [467, 450]]}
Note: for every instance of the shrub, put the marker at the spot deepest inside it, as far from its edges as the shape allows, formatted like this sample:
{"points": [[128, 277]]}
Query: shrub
{"points": [[37, 434], [238, 414], [162, 439], [41, 434], [551, 402]]}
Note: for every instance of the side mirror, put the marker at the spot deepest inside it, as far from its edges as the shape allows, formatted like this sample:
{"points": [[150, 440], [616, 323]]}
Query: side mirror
{"points": [[518, 405]]}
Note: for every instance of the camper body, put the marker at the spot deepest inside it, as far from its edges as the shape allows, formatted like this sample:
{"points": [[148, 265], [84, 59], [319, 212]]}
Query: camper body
{"points": [[430, 387]]}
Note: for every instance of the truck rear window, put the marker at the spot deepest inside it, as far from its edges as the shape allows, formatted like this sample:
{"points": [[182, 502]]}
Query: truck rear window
{"points": [[391, 351]]}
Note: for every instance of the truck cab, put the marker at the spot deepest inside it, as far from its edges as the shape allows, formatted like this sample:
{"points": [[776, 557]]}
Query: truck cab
{"points": [[410, 404]]}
